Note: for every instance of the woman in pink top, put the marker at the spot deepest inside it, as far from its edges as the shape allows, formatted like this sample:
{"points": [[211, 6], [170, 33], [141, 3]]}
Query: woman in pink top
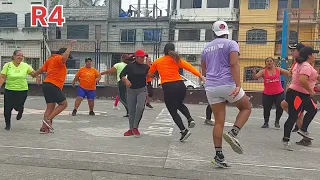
{"points": [[273, 93], [300, 93]]}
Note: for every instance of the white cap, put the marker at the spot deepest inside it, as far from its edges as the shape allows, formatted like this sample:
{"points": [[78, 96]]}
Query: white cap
{"points": [[220, 28]]}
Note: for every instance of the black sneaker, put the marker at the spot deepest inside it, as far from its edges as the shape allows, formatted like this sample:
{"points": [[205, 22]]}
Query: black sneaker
{"points": [[126, 115], [220, 162], [191, 123], [74, 112], [8, 127], [149, 105], [19, 115], [265, 125], [91, 113], [277, 125], [304, 142], [185, 135]]}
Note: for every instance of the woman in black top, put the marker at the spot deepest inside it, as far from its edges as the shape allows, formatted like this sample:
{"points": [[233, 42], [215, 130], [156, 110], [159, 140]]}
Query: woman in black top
{"points": [[135, 81]]}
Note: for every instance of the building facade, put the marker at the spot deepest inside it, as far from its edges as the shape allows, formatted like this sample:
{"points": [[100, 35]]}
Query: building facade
{"points": [[260, 32], [16, 31], [191, 25]]}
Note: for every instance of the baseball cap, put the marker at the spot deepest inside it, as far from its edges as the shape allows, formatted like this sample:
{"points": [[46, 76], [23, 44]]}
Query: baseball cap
{"points": [[140, 53], [307, 51], [297, 46], [87, 59], [220, 28]]}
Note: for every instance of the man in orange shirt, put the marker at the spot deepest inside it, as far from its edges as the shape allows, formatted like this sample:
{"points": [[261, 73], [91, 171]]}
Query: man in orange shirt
{"points": [[56, 72], [88, 77]]}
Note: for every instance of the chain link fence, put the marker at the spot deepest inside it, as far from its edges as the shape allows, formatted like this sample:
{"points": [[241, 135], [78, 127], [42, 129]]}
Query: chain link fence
{"points": [[107, 53]]}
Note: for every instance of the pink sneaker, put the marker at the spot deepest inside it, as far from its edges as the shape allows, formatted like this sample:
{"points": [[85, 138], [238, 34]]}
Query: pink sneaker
{"points": [[128, 133]]}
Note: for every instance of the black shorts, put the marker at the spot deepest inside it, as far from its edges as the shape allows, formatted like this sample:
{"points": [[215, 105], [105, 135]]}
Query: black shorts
{"points": [[150, 89], [52, 94]]}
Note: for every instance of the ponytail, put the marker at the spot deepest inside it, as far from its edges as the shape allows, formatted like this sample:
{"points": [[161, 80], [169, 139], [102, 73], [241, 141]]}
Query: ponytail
{"points": [[174, 56], [300, 60]]}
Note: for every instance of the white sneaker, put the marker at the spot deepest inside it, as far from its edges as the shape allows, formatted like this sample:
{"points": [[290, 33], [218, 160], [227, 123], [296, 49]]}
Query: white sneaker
{"points": [[287, 145], [116, 108]]}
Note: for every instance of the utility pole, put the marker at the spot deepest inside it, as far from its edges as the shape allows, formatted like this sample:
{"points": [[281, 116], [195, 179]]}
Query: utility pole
{"points": [[299, 15], [289, 18]]}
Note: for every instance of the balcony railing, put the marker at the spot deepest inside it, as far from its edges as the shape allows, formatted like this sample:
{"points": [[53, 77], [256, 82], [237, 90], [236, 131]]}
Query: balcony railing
{"points": [[305, 14]]}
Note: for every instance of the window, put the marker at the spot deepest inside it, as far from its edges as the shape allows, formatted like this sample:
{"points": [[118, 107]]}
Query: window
{"points": [[293, 38], [58, 32], [115, 58], [209, 35], [36, 2], [98, 32], [247, 74], [27, 20], [258, 4], [283, 4], [218, 3], [189, 57], [171, 34], [128, 35], [188, 4], [8, 20], [189, 35], [152, 35], [256, 36], [34, 62], [235, 35], [236, 4], [73, 65], [78, 31]]}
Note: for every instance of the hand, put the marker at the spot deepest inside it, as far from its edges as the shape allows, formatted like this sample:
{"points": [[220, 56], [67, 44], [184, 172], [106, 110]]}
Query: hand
{"points": [[203, 79], [97, 80], [73, 85], [235, 92], [73, 42], [254, 70], [128, 83], [38, 80]]}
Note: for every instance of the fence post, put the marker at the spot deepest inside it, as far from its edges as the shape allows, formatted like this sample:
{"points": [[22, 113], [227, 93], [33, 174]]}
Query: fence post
{"points": [[284, 45]]}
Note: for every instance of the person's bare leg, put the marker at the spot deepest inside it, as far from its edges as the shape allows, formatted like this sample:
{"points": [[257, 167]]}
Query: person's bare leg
{"points": [[244, 107], [284, 105], [61, 106], [219, 113], [77, 102], [49, 110], [91, 104]]}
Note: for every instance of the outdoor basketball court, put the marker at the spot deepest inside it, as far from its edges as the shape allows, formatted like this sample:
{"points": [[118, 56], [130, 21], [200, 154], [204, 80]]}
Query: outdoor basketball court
{"points": [[86, 147]]}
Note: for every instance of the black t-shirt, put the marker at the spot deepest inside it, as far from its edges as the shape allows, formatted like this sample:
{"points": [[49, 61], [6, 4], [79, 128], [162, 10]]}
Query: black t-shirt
{"points": [[136, 74]]}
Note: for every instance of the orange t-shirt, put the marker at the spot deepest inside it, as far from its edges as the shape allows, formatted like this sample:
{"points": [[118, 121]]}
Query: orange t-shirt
{"points": [[56, 70], [87, 78], [169, 70]]}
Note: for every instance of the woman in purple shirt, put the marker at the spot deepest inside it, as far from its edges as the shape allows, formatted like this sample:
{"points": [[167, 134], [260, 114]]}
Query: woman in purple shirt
{"points": [[220, 66]]}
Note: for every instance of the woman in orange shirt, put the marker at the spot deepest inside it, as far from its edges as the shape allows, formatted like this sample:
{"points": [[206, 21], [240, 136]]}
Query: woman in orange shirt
{"points": [[56, 70], [173, 87]]}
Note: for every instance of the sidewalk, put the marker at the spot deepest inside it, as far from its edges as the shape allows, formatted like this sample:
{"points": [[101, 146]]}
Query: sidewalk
{"points": [[86, 147]]}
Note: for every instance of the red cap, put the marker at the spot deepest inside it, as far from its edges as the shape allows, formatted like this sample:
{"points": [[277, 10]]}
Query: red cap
{"points": [[140, 53]]}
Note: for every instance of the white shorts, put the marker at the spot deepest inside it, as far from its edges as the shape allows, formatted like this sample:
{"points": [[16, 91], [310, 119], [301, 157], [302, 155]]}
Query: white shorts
{"points": [[222, 93]]}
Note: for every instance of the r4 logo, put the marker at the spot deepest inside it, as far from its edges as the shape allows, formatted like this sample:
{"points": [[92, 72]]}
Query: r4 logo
{"points": [[39, 14]]}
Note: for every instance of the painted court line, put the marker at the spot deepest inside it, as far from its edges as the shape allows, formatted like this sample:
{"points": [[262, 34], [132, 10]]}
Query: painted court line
{"points": [[159, 157]]}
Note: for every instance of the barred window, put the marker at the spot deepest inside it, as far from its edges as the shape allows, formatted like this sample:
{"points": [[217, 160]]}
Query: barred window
{"points": [[152, 35], [189, 35], [258, 4], [128, 35], [78, 31], [257, 36], [248, 74], [293, 38], [8, 20]]}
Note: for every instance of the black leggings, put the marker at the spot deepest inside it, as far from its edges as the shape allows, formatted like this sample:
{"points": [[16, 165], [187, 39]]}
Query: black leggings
{"points": [[297, 103], [208, 112], [174, 94], [268, 101], [123, 94], [13, 100]]}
